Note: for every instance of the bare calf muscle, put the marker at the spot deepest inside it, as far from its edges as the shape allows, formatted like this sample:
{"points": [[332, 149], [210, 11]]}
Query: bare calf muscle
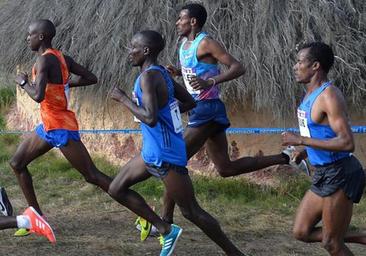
{"points": [[163, 152]]}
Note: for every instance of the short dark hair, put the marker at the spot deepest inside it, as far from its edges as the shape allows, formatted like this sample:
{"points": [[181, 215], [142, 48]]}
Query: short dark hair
{"points": [[196, 11], [46, 27], [152, 39], [321, 52]]}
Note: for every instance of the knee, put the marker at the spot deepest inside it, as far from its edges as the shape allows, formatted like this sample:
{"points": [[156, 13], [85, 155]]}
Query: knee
{"points": [[301, 234], [113, 190], [332, 245], [223, 170], [188, 213], [91, 177], [16, 165], [193, 213]]}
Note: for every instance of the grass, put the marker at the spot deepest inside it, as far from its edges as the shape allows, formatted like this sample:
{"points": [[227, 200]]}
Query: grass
{"points": [[52, 167], [253, 215], [7, 96]]}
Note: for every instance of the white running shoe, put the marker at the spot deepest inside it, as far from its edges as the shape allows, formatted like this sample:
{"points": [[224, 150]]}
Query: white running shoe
{"points": [[302, 166]]}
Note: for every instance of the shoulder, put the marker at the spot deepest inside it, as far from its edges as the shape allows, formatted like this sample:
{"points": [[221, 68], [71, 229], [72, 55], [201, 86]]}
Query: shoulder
{"points": [[152, 76], [210, 45], [332, 92], [44, 61], [69, 61], [333, 98], [151, 73], [208, 41]]}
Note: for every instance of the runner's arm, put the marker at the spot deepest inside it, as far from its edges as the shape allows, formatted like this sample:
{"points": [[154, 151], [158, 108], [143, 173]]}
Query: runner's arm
{"points": [[186, 102], [174, 71], [147, 112], [235, 69], [37, 90], [84, 76], [334, 107]]}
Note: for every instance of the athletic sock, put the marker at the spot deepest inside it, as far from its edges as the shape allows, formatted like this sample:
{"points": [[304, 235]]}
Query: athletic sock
{"points": [[23, 222]]}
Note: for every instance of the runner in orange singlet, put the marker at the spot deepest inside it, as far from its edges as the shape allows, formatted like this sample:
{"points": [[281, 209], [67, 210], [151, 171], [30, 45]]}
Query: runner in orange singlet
{"points": [[50, 87]]}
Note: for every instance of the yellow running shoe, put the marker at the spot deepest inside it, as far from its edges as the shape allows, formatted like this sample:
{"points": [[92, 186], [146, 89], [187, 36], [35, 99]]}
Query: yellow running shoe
{"points": [[161, 240], [144, 226], [22, 232]]}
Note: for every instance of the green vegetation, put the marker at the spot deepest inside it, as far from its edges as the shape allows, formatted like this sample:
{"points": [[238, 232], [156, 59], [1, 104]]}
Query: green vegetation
{"points": [[51, 167], [7, 96], [252, 214]]}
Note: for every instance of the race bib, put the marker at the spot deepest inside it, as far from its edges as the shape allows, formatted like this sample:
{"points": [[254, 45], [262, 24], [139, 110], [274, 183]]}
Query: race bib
{"points": [[188, 74], [136, 100], [176, 117], [303, 123]]}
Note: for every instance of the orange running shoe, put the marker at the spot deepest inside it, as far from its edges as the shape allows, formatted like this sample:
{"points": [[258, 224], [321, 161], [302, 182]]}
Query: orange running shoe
{"points": [[39, 225]]}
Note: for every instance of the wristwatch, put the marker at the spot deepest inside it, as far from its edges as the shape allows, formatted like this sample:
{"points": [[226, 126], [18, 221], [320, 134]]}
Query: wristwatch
{"points": [[22, 83]]}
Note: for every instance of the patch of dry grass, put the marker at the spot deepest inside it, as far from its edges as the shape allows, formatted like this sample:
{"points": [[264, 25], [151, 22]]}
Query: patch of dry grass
{"points": [[262, 34]]}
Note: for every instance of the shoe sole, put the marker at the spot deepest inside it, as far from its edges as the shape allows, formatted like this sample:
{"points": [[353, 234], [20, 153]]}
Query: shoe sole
{"points": [[20, 233], [8, 208], [306, 168]]}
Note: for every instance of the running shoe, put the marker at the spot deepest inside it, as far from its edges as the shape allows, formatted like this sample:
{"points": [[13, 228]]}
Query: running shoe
{"points": [[22, 232], [146, 229], [170, 240], [5, 205], [38, 225], [303, 165], [161, 240], [25, 232], [144, 226]]}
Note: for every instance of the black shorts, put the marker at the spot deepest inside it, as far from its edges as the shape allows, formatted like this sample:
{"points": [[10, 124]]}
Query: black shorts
{"points": [[162, 171], [346, 174]]}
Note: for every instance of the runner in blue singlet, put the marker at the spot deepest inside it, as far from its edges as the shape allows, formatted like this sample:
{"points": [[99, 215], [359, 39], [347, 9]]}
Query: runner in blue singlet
{"points": [[339, 179], [163, 152]]}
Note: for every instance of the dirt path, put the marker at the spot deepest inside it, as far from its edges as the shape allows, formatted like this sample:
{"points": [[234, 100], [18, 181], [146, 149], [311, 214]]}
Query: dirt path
{"points": [[111, 232]]}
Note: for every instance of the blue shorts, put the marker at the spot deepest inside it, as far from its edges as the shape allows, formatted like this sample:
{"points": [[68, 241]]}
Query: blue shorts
{"points": [[162, 171], [207, 111], [57, 138]]}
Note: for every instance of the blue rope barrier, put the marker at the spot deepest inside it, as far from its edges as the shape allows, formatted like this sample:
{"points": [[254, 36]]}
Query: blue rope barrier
{"points": [[355, 129]]}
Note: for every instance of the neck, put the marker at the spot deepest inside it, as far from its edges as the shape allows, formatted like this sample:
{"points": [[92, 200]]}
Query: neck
{"points": [[147, 63], [316, 81], [194, 33], [44, 47]]}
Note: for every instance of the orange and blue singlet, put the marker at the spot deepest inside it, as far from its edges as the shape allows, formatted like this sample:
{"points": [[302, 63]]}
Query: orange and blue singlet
{"points": [[59, 124]]}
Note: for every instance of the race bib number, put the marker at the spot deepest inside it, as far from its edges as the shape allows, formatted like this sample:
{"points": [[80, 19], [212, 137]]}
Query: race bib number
{"points": [[188, 74], [136, 100], [303, 123], [176, 117]]}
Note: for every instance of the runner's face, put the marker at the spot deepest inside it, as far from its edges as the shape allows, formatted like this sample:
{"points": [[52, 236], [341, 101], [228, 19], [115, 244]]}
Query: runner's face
{"points": [[183, 23], [303, 68], [33, 38], [136, 54]]}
